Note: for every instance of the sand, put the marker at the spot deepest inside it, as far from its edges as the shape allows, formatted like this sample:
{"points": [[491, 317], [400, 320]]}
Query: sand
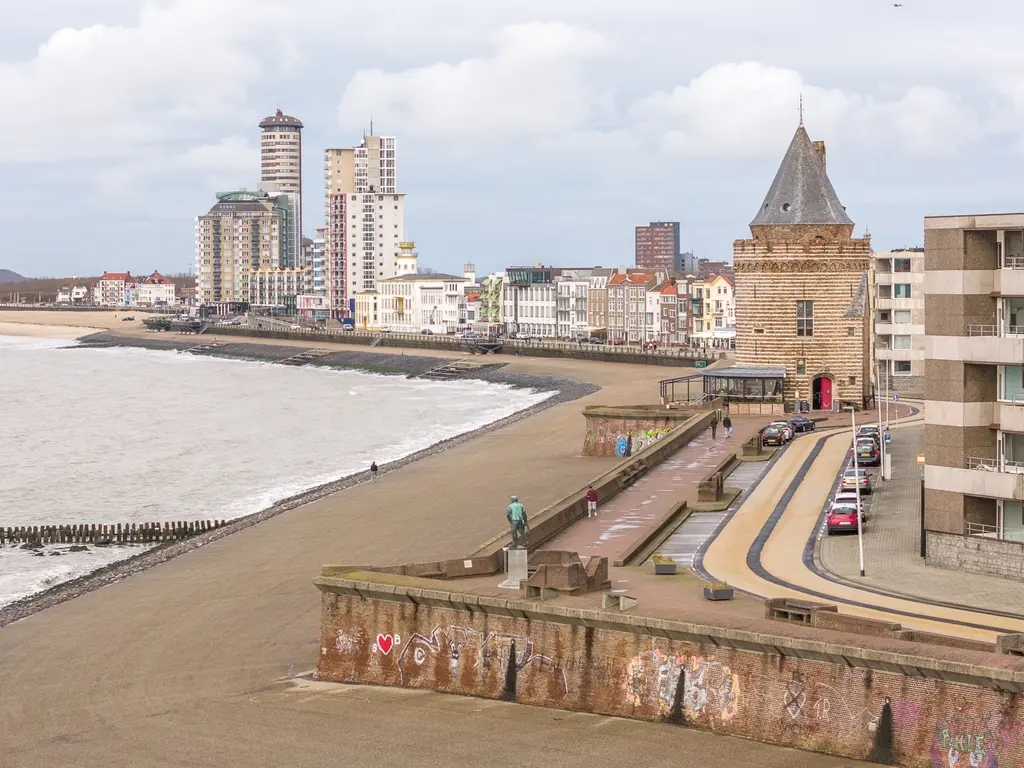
{"points": [[62, 325]]}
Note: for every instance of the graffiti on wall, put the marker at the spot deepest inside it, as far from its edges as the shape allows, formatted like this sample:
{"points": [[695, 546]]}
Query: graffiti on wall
{"points": [[709, 687], [628, 444], [982, 743], [459, 648]]}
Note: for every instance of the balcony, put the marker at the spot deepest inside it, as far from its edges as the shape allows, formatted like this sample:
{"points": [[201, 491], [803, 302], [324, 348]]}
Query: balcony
{"points": [[995, 465], [881, 303], [980, 477], [983, 345]]}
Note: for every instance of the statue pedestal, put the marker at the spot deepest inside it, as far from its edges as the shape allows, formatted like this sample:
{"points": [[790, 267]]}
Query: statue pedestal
{"points": [[515, 567]]}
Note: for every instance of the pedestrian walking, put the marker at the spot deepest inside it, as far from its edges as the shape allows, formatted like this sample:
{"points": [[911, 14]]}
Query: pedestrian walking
{"points": [[591, 502], [373, 470], [516, 515], [714, 426], [727, 423]]}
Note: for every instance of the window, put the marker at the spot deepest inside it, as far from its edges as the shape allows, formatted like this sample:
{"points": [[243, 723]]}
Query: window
{"points": [[901, 342], [901, 367], [1011, 386], [901, 290], [805, 318], [851, 331], [901, 265], [853, 380], [901, 316]]}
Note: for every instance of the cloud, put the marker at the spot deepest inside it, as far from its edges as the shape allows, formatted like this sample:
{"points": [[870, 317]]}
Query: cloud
{"points": [[749, 109], [106, 91], [534, 84]]}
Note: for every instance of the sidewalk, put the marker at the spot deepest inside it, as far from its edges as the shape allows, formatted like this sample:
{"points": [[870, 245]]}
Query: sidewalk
{"points": [[892, 549], [642, 507]]}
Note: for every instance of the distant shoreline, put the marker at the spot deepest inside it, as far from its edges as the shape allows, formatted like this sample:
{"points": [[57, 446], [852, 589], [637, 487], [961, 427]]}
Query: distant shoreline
{"points": [[562, 389], [43, 331]]}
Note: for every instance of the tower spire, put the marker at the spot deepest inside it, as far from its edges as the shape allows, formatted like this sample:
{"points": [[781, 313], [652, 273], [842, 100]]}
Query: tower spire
{"points": [[801, 109]]}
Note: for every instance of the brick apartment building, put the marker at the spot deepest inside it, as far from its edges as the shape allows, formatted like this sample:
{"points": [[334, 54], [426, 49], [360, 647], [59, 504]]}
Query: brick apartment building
{"points": [[802, 285]]}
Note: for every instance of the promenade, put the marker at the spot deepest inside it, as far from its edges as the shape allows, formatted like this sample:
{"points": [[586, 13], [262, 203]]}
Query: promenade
{"points": [[182, 664]]}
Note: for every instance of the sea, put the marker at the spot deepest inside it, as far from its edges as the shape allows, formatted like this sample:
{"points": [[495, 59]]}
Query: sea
{"points": [[121, 435]]}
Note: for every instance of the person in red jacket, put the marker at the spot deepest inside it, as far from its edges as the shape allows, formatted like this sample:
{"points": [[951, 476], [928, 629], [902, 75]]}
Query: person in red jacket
{"points": [[591, 502]]}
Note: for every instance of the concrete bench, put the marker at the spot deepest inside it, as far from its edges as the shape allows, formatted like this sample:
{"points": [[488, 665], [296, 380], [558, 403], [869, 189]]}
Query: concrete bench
{"points": [[611, 601]]}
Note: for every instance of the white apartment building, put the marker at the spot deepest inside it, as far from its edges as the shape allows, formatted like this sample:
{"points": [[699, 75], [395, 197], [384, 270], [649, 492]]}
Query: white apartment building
{"points": [[571, 292], [276, 288], [899, 319], [152, 291], [73, 294], [281, 160], [317, 264], [365, 217], [528, 301], [113, 289], [413, 303], [367, 310]]}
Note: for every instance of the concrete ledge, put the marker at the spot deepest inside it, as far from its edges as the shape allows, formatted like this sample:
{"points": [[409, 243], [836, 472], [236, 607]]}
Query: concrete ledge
{"points": [[647, 543]]}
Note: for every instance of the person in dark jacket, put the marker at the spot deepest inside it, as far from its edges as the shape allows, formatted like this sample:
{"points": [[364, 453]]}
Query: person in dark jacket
{"points": [[373, 470], [727, 423], [591, 502]]}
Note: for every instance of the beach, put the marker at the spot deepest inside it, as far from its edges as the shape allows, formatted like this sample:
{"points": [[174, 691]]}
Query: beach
{"points": [[240, 611]]}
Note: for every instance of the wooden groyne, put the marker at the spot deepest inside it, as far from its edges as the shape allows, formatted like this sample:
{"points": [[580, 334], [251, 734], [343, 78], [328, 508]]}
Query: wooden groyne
{"points": [[129, 533]]}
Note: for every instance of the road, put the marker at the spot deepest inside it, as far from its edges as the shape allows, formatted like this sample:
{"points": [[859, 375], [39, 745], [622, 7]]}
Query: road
{"points": [[781, 515]]}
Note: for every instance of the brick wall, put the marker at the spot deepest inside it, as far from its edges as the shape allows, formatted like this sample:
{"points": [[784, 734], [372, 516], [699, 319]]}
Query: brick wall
{"points": [[627, 431], [673, 672], [771, 276], [976, 555]]}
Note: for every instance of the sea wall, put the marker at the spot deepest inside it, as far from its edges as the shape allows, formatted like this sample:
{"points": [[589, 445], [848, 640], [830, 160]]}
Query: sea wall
{"points": [[626, 430], [898, 706]]}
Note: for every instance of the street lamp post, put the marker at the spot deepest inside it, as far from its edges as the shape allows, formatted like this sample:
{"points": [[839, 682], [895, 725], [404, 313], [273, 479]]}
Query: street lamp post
{"points": [[881, 433], [856, 476]]}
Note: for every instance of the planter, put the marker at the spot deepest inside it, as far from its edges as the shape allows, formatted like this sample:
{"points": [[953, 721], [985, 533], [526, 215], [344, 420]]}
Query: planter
{"points": [[718, 593], [664, 566]]}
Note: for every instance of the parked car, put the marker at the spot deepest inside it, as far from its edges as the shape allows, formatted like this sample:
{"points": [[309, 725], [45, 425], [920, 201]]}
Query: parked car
{"points": [[126, 319], [426, 332], [843, 519], [348, 327], [868, 453], [616, 342], [849, 499], [854, 478], [869, 431], [772, 435], [787, 431], [595, 340], [801, 424]]}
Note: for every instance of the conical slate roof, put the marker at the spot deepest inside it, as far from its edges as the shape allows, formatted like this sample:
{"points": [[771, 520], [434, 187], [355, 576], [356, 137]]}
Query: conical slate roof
{"points": [[801, 192]]}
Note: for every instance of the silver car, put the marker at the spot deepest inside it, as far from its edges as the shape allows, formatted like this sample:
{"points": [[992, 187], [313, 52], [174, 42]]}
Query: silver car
{"points": [[854, 478]]}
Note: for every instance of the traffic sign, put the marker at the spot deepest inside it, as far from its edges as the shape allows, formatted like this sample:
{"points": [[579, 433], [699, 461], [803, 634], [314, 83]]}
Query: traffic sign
{"points": [[920, 458], [895, 397], [701, 364], [888, 437]]}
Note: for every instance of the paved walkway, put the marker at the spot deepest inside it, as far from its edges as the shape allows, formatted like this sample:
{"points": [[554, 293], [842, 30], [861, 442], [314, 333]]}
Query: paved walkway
{"points": [[892, 549], [782, 553], [643, 506]]}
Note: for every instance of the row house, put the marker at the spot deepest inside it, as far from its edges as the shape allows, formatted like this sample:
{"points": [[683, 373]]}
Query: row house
{"points": [[597, 301], [713, 311], [627, 306], [571, 305], [113, 289], [74, 294], [664, 324], [413, 303], [154, 291], [528, 301]]}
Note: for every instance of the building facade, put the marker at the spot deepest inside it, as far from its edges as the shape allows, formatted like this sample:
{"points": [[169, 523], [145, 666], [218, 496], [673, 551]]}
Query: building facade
{"points": [[974, 392], [528, 301], [366, 314], [74, 294], [365, 216], [657, 246], [114, 289], [491, 301], [281, 158], [571, 297], [802, 286], [316, 263], [413, 303], [277, 288], [713, 311], [153, 291], [241, 233], [899, 320], [627, 306], [597, 301]]}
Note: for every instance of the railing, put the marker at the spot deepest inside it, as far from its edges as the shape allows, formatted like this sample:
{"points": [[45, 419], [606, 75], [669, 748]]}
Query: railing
{"points": [[985, 531], [1013, 262], [988, 464], [975, 329]]}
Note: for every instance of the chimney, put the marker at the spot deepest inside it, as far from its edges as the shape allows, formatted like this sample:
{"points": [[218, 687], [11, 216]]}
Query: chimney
{"points": [[819, 150]]}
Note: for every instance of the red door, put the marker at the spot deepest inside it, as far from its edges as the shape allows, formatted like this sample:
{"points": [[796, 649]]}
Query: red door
{"points": [[826, 393]]}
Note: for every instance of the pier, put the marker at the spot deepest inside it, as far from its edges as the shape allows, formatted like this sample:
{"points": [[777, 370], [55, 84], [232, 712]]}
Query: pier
{"points": [[127, 533]]}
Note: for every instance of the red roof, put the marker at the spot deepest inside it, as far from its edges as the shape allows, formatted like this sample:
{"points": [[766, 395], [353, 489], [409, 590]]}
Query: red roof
{"points": [[670, 290], [156, 278], [116, 276], [636, 278], [472, 296]]}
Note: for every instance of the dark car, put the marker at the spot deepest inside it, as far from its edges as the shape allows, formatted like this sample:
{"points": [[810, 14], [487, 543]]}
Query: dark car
{"points": [[869, 431], [427, 332], [843, 519], [867, 452], [773, 436], [126, 319], [801, 424]]}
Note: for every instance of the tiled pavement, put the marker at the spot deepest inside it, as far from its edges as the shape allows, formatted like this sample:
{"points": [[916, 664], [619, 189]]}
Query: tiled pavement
{"points": [[642, 506], [892, 556]]}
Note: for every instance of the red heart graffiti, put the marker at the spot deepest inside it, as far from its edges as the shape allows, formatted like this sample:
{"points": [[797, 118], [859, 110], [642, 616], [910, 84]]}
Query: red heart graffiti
{"points": [[384, 642]]}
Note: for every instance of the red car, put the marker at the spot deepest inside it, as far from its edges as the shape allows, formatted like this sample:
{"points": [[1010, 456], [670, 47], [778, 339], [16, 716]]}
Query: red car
{"points": [[842, 519]]}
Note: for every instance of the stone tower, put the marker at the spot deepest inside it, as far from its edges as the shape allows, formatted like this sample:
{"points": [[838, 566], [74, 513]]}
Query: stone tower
{"points": [[802, 285]]}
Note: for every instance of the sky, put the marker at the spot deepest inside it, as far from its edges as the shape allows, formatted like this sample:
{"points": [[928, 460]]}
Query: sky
{"points": [[528, 131]]}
